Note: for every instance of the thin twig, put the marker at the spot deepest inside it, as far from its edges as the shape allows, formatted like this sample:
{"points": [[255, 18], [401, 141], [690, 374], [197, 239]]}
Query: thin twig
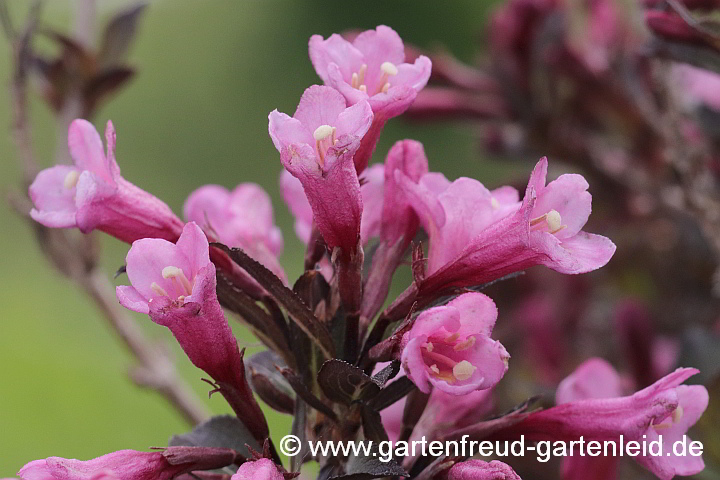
{"points": [[70, 254]]}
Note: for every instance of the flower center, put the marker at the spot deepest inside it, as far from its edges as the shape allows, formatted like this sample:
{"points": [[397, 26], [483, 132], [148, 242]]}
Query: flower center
{"points": [[439, 357], [181, 285], [387, 70], [551, 222], [324, 136]]}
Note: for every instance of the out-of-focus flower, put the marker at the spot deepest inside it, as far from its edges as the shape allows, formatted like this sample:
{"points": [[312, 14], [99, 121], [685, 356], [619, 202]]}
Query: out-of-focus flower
{"points": [[241, 218], [176, 285], [480, 470], [664, 408], [372, 68], [316, 146], [449, 347], [545, 230], [697, 86], [92, 195], [261, 469]]}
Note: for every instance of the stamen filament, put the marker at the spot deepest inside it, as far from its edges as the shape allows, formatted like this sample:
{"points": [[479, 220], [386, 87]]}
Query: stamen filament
{"points": [[176, 274], [158, 289]]}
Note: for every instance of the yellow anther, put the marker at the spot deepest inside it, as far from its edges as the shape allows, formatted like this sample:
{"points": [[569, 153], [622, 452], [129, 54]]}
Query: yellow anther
{"points": [[322, 132], [389, 69], [71, 179], [463, 370], [465, 344], [554, 221]]}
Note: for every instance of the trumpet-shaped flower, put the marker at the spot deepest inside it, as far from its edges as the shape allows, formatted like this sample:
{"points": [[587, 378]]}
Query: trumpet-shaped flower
{"points": [[316, 146], [91, 194], [544, 230], [449, 347], [665, 408], [480, 470], [241, 218], [370, 68], [176, 285]]}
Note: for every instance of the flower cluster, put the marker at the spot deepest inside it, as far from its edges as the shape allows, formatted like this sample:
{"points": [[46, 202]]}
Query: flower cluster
{"points": [[328, 335]]}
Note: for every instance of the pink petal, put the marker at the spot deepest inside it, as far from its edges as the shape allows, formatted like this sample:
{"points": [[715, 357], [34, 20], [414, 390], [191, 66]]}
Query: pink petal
{"points": [[205, 205], [355, 120], [294, 196], [262, 469], [54, 202], [380, 45], [86, 149], [193, 244], [415, 75], [285, 130], [111, 140], [371, 188], [131, 299], [582, 253], [478, 313], [595, 378], [320, 105], [481, 470], [338, 81], [335, 50]]}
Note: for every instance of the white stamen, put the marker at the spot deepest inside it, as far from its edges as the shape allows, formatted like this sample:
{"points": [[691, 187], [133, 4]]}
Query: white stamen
{"points": [[71, 179], [158, 289], [363, 88], [385, 87], [451, 338], [175, 273], [354, 81], [494, 203], [554, 221], [429, 346], [322, 132], [465, 344], [435, 369], [463, 370], [389, 68]]}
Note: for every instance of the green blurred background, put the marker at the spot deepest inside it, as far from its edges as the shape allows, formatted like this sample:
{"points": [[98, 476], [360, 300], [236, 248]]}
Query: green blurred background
{"points": [[209, 73]]}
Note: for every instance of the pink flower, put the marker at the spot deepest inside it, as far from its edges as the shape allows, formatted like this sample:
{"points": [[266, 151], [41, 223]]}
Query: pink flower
{"points": [[372, 68], [664, 408], [176, 285], [480, 470], [261, 469], [449, 347], [92, 195], [124, 464], [697, 86], [545, 230], [241, 218], [316, 146]]}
